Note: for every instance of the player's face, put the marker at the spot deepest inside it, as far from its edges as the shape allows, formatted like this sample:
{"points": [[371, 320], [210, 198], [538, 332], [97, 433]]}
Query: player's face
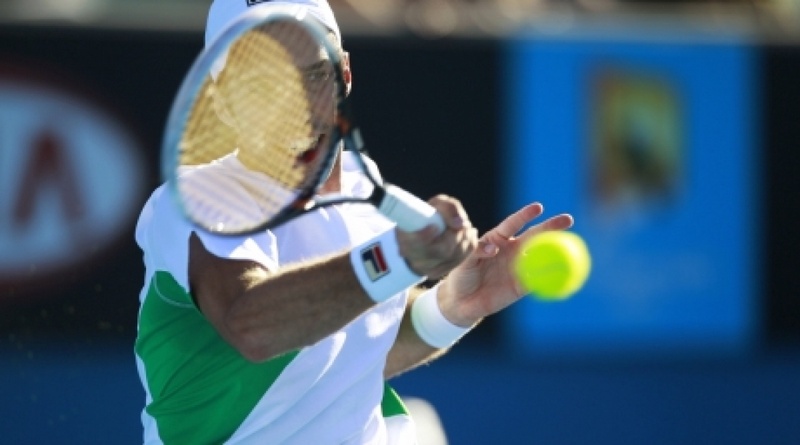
{"points": [[288, 105], [318, 77]]}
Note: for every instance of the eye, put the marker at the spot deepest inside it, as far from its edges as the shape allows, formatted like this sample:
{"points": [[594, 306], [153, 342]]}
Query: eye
{"points": [[318, 75]]}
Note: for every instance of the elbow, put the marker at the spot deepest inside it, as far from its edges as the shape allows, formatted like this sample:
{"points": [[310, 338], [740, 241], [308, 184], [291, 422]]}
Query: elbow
{"points": [[253, 343], [254, 353]]}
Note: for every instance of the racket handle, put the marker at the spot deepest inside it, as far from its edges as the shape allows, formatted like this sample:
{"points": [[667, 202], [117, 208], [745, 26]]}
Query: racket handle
{"points": [[408, 211]]}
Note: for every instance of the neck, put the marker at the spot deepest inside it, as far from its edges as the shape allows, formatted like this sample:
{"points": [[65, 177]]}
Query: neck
{"points": [[334, 182]]}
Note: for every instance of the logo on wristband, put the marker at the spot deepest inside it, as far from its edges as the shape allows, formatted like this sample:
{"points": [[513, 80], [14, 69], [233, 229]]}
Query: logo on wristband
{"points": [[374, 261]]}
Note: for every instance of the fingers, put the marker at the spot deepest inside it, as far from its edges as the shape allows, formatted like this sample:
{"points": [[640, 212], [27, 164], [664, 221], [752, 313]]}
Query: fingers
{"points": [[486, 249], [558, 222], [489, 245], [457, 241], [517, 220], [453, 213], [433, 253]]}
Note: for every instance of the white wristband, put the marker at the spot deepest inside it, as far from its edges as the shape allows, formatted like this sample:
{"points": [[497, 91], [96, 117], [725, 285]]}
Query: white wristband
{"points": [[380, 269], [431, 325]]}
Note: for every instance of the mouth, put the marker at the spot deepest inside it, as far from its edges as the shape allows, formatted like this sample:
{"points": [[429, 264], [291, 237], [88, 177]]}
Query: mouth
{"points": [[309, 149]]}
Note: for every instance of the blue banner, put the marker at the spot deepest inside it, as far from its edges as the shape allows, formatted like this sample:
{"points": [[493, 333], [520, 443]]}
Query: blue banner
{"points": [[652, 145]]}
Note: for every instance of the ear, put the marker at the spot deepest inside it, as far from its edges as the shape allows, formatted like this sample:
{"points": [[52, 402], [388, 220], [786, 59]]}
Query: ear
{"points": [[346, 72]]}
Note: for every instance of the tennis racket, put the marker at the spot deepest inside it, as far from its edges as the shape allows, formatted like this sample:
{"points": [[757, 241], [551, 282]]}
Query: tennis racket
{"points": [[257, 124]]}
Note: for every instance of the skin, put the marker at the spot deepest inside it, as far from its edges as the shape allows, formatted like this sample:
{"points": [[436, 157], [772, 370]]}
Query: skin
{"points": [[264, 313]]}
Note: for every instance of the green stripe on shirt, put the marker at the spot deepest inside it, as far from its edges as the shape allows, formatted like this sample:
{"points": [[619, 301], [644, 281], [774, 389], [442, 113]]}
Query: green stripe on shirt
{"points": [[202, 388], [392, 404]]}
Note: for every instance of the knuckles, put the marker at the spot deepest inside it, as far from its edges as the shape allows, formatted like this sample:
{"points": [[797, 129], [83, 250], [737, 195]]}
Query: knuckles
{"points": [[436, 257], [435, 254]]}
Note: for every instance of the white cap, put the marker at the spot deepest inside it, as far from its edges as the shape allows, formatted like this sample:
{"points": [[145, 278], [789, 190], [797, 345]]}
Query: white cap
{"points": [[223, 12]]}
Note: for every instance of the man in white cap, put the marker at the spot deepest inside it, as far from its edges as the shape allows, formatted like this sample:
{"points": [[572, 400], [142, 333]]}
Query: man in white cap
{"points": [[274, 338]]}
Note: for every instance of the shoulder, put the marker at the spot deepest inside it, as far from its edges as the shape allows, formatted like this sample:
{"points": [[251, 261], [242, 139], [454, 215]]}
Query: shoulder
{"points": [[355, 181], [158, 206]]}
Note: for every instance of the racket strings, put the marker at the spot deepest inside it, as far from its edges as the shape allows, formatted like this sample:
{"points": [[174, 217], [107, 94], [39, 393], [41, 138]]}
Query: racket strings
{"points": [[250, 141]]}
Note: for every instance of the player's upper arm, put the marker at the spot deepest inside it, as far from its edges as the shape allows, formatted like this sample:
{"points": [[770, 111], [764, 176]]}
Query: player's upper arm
{"points": [[216, 283]]}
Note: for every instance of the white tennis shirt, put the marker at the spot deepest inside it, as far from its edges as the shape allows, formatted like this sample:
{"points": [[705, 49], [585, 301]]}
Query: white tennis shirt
{"points": [[200, 390]]}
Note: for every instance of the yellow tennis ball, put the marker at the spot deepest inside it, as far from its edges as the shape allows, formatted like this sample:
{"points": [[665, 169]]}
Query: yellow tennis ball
{"points": [[553, 265]]}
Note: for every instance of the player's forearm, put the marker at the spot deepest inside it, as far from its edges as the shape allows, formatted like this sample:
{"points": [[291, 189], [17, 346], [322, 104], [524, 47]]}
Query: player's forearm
{"points": [[426, 332], [409, 350], [295, 307]]}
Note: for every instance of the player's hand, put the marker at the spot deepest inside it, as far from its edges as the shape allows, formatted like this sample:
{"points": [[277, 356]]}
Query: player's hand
{"points": [[484, 283], [433, 254]]}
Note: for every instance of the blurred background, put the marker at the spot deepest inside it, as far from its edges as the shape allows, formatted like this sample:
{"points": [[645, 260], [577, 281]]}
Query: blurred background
{"points": [[668, 129]]}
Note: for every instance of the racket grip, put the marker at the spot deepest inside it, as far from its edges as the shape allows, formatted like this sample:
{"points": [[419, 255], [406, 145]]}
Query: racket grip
{"points": [[408, 211]]}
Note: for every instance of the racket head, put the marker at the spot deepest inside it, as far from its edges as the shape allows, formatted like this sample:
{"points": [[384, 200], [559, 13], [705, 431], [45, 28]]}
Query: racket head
{"points": [[253, 131]]}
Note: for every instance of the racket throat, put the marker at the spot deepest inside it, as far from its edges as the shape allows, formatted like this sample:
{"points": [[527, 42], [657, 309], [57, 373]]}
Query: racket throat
{"points": [[352, 136], [377, 197]]}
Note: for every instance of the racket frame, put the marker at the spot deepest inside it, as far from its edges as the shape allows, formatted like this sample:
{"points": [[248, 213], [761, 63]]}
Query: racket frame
{"points": [[196, 78], [390, 200]]}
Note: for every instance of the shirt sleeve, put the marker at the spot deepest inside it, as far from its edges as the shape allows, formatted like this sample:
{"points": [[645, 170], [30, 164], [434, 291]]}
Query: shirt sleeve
{"points": [[162, 233]]}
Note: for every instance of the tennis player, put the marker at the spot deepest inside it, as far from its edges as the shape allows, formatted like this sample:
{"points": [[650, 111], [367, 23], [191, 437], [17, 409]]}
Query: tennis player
{"points": [[280, 337]]}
